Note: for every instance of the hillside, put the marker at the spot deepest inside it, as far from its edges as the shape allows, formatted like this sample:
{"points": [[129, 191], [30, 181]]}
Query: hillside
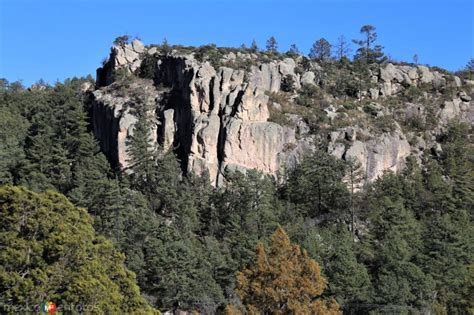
{"points": [[229, 109], [239, 181]]}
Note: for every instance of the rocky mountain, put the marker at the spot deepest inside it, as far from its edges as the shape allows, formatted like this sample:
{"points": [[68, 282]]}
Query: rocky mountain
{"points": [[227, 109]]}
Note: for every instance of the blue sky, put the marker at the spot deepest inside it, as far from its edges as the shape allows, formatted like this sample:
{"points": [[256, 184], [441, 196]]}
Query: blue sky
{"points": [[53, 40]]}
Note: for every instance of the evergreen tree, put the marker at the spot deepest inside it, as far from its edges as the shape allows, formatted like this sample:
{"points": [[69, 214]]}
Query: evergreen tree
{"points": [[179, 274], [13, 129], [316, 186], [165, 47], [283, 279], [54, 254], [368, 51], [142, 152], [395, 239], [272, 45], [321, 50], [249, 211], [294, 51], [254, 46], [449, 234], [349, 281]]}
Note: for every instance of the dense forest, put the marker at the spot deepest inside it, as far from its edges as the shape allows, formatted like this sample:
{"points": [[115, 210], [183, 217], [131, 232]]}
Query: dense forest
{"points": [[75, 230]]}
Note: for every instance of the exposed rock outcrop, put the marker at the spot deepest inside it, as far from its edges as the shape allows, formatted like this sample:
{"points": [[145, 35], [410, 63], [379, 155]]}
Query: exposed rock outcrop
{"points": [[216, 118], [386, 152]]}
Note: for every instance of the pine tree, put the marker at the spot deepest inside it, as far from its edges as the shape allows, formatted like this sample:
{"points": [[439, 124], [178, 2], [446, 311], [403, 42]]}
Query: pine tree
{"points": [[316, 186], [13, 128], [395, 239], [293, 51], [334, 248], [179, 274], [249, 211], [254, 46], [142, 152], [321, 50], [448, 219], [272, 45], [368, 51], [283, 279]]}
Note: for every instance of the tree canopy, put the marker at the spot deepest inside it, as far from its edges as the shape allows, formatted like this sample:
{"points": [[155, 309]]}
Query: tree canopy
{"points": [[283, 279], [50, 251]]}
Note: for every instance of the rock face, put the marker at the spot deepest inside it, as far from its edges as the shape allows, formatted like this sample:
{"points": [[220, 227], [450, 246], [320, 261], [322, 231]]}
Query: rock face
{"points": [[216, 120], [386, 152], [113, 121]]}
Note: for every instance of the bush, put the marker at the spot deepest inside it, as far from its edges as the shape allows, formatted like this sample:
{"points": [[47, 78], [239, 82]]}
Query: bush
{"points": [[209, 53], [413, 93], [147, 67], [384, 124], [415, 123], [314, 119], [288, 84], [122, 40], [310, 96], [371, 109]]}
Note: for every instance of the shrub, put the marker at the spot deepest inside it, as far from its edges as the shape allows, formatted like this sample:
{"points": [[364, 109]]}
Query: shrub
{"points": [[371, 109], [208, 53], [384, 124], [148, 67], [122, 40], [310, 96], [288, 83], [413, 93]]}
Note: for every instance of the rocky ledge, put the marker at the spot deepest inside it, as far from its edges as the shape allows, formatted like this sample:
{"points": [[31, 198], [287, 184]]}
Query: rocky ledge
{"points": [[216, 118]]}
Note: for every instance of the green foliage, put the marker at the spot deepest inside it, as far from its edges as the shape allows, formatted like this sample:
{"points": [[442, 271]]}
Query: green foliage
{"points": [[288, 83], [122, 78], [402, 244], [413, 93], [148, 67], [384, 124], [249, 211], [368, 51], [209, 53], [51, 252], [348, 279], [272, 45], [395, 241], [122, 40], [310, 96], [293, 51], [254, 46], [165, 47], [13, 128], [316, 188], [321, 50]]}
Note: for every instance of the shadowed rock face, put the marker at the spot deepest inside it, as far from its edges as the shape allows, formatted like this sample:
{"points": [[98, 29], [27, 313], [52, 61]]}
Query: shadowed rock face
{"points": [[216, 120], [213, 119]]}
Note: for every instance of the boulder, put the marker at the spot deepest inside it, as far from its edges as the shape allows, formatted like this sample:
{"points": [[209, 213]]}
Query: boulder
{"points": [[425, 74], [464, 97], [390, 73], [457, 81], [308, 78], [450, 110], [138, 46]]}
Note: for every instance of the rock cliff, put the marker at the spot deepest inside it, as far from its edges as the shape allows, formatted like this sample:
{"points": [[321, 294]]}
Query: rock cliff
{"points": [[218, 117]]}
